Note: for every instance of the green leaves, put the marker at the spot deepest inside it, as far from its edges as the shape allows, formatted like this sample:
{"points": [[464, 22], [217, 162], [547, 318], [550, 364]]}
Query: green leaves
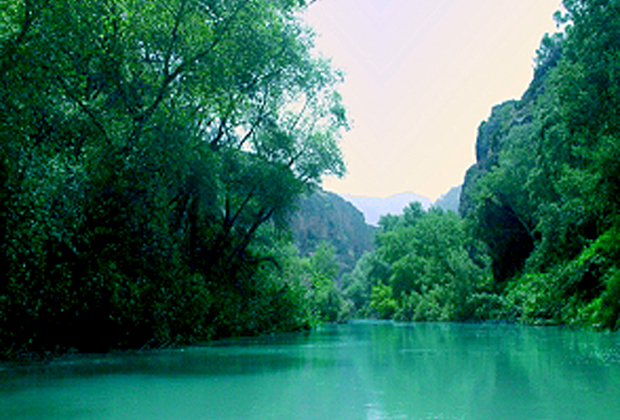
{"points": [[320, 272], [425, 268], [382, 302], [543, 194], [152, 144]]}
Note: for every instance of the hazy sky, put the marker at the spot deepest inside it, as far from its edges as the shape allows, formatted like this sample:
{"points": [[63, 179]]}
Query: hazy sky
{"points": [[420, 77]]}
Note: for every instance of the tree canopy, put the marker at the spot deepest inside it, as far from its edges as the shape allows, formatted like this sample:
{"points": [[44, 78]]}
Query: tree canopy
{"points": [[543, 194], [425, 268], [149, 150], [538, 242]]}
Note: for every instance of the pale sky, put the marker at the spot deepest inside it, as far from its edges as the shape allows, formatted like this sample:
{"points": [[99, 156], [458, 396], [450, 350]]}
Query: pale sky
{"points": [[421, 75]]}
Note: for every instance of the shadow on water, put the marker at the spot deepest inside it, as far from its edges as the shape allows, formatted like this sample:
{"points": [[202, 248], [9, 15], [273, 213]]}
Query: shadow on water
{"points": [[226, 357]]}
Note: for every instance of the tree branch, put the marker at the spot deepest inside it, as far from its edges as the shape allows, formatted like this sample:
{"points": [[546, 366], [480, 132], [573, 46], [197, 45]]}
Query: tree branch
{"points": [[257, 122], [174, 36], [170, 77], [262, 216], [301, 113], [91, 114], [10, 50]]}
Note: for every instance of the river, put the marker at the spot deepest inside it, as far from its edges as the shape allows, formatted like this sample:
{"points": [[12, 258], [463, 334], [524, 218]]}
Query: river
{"points": [[358, 371]]}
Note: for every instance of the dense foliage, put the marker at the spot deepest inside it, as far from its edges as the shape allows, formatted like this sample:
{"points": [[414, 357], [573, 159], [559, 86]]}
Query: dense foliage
{"points": [[150, 152], [424, 268], [544, 194], [539, 241]]}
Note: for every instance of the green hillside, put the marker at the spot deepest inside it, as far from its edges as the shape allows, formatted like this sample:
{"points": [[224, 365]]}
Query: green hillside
{"points": [[544, 193], [325, 217]]}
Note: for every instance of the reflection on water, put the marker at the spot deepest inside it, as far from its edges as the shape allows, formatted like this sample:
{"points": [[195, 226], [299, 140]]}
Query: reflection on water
{"points": [[373, 371]]}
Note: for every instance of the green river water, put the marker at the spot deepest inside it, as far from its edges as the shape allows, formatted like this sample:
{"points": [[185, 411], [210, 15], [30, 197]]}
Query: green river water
{"points": [[366, 371]]}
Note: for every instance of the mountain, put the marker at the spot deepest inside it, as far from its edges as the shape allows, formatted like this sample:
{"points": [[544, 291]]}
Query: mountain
{"points": [[375, 207], [326, 217], [450, 200]]}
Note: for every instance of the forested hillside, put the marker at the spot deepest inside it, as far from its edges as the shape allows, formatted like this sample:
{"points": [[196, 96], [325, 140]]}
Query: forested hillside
{"points": [[325, 217], [539, 237], [150, 153], [544, 194]]}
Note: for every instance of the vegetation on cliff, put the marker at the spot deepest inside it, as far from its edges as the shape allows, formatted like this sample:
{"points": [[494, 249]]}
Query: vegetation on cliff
{"points": [[325, 217], [539, 239], [544, 194]]}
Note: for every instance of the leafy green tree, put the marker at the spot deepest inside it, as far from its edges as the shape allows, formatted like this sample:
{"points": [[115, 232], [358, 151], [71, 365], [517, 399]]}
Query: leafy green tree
{"points": [[357, 284], [543, 194], [148, 148], [326, 296], [382, 302], [425, 268]]}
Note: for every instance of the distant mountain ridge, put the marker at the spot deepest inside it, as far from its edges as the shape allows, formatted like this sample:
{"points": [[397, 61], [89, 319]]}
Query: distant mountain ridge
{"points": [[375, 207], [450, 200]]}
